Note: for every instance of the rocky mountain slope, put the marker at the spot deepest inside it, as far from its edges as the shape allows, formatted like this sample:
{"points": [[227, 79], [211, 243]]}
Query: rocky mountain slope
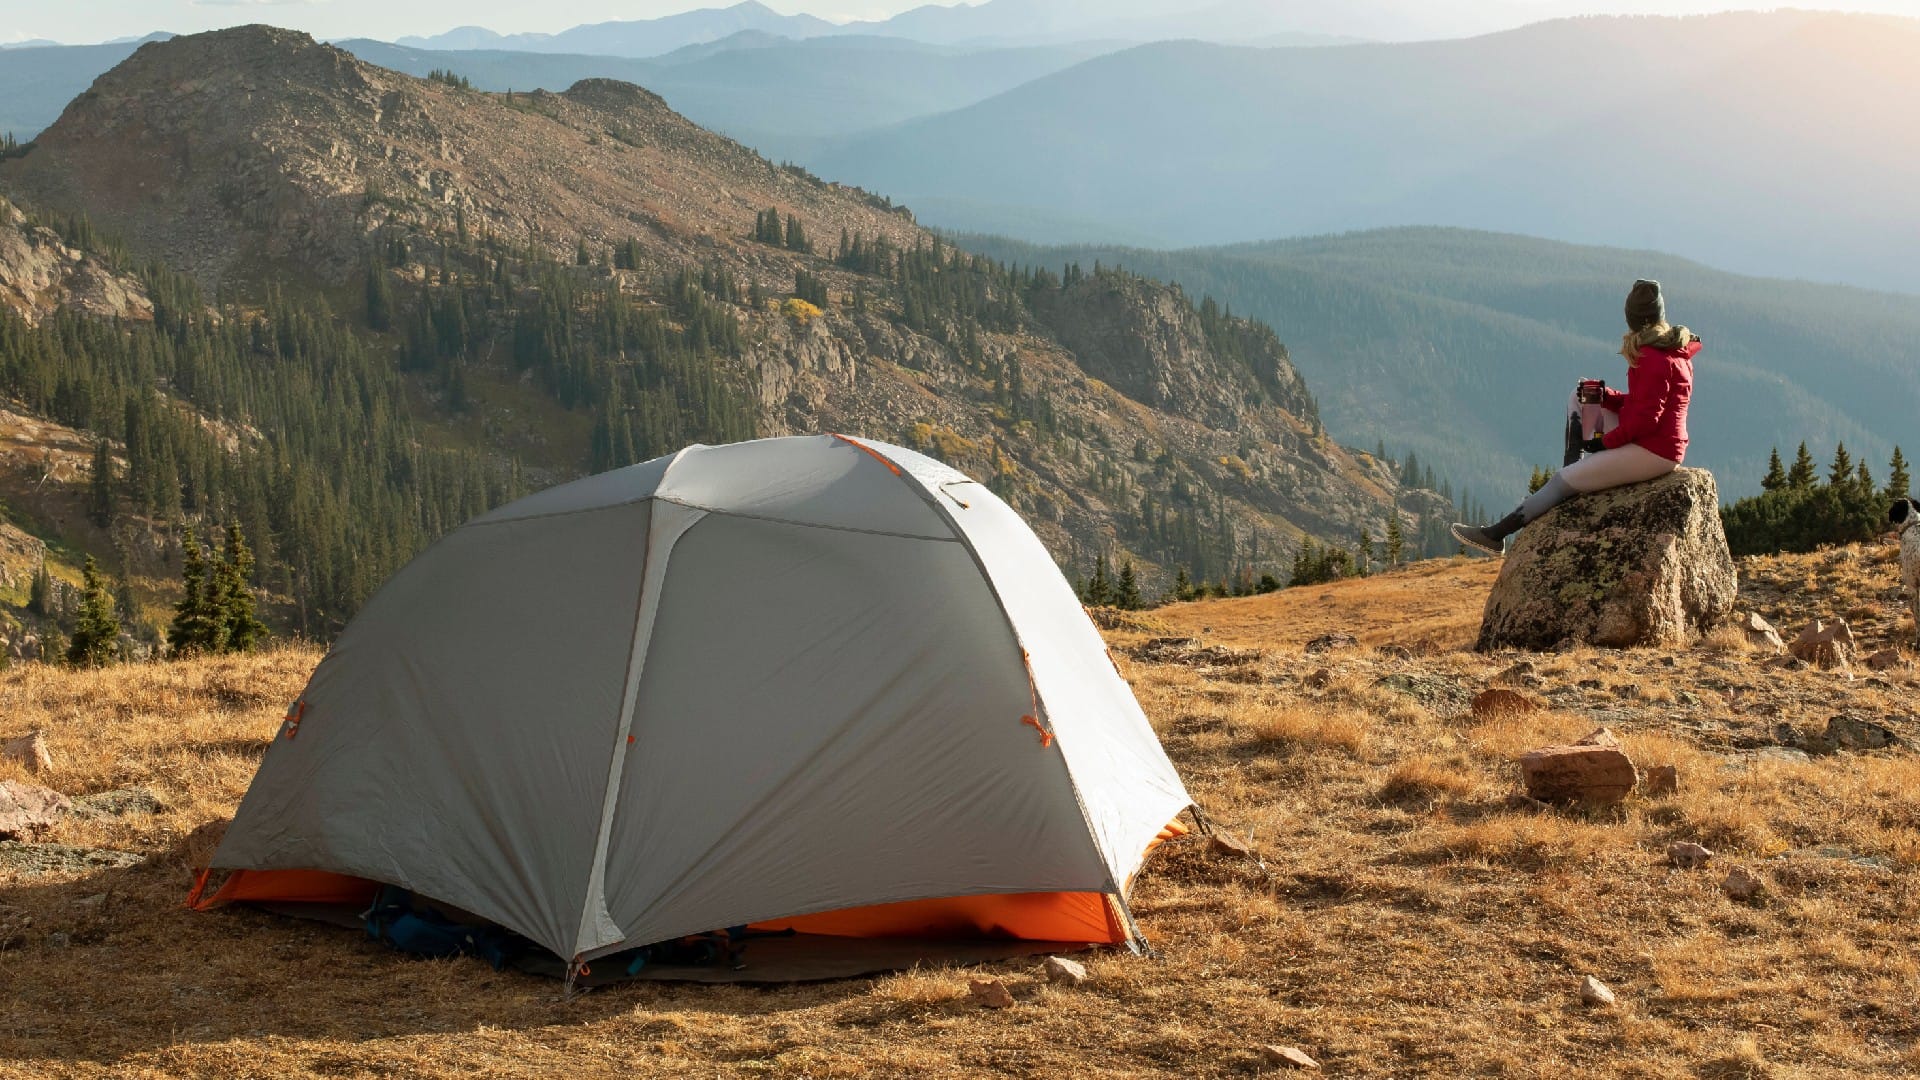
{"points": [[576, 280]]}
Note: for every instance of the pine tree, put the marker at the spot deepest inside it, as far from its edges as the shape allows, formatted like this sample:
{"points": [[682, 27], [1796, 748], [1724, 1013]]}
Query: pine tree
{"points": [[195, 626], [1396, 540], [1897, 479], [96, 635], [379, 299], [40, 592], [1842, 469], [1128, 595], [1802, 475], [797, 236], [240, 629], [1099, 588], [582, 256], [100, 489], [1182, 585], [1776, 477], [1364, 553]]}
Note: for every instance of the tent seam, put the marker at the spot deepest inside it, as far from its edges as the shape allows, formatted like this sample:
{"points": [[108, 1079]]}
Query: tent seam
{"points": [[960, 534]]}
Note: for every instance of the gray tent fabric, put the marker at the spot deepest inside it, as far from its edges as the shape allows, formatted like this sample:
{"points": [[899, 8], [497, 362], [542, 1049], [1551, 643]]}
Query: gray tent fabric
{"points": [[742, 683]]}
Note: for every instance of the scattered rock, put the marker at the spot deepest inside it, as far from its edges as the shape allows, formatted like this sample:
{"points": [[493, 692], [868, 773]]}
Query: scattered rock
{"points": [[1887, 660], [1595, 992], [1762, 635], [89, 905], [59, 939], [1061, 970], [1226, 843], [1394, 652], [1288, 1057], [1742, 884], [1429, 690], [1645, 564], [22, 858], [1595, 771], [990, 993], [28, 808], [1319, 680], [1660, 780], [1787, 663], [1187, 651], [1827, 645], [1788, 754], [29, 750], [1848, 733], [120, 802], [1330, 642], [1687, 856], [1502, 702], [1525, 673]]}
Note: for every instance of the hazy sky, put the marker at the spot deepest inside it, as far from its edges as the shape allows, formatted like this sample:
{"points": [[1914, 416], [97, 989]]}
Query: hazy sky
{"points": [[81, 21]]}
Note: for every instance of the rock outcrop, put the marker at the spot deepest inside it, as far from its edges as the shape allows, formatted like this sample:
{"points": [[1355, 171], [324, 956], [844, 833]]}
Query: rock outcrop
{"points": [[1646, 564]]}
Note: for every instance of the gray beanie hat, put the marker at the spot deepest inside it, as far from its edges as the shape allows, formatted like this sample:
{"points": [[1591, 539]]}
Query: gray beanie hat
{"points": [[1645, 306]]}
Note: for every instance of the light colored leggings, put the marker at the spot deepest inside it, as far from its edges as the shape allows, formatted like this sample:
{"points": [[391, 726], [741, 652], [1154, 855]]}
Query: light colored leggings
{"points": [[1630, 464]]}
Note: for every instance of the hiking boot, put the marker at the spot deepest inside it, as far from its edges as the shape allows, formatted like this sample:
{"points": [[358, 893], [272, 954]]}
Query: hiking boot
{"points": [[1490, 539]]}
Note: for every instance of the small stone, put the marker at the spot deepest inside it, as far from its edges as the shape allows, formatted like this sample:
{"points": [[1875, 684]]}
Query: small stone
{"points": [[1594, 771], [1524, 673], [990, 993], [1762, 635], [1595, 992], [28, 808], [1061, 970], [1501, 702], [1288, 1057], [29, 750], [1825, 644], [1660, 780], [1886, 660], [1742, 884], [1329, 642], [1687, 856], [1226, 843], [1319, 680], [1394, 652], [1847, 733], [1602, 736], [59, 939]]}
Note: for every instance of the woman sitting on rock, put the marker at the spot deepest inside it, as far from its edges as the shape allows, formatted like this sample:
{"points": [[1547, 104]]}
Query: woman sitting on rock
{"points": [[1650, 437]]}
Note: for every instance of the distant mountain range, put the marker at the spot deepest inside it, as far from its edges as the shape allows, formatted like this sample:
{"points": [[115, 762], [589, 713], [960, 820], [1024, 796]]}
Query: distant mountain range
{"points": [[1462, 346], [784, 98], [1001, 23], [1761, 143]]}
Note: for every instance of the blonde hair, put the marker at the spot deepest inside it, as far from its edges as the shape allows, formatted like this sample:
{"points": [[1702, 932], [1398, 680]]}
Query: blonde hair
{"points": [[1634, 340]]}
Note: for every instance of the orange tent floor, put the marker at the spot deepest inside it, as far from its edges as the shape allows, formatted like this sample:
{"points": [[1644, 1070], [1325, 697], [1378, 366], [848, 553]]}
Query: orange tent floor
{"points": [[1089, 917]]}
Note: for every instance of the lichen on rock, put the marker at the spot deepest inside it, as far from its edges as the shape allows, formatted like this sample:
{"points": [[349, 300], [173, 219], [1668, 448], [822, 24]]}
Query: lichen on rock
{"points": [[1645, 564]]}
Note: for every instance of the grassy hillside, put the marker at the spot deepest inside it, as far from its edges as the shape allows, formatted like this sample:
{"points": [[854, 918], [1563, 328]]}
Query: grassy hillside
{"points": [[1462, 346], [1745, 140], [1409, 919]]}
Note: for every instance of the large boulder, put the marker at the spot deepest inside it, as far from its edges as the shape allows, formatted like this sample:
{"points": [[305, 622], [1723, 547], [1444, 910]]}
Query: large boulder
{"points": [[1645, 564]]}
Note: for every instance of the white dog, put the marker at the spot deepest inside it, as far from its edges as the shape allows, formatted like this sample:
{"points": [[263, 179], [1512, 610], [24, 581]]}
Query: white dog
{"points": [[1905, 515]]}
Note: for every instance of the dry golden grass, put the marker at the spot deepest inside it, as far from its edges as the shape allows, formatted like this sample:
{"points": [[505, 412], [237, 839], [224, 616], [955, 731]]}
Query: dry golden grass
{"points": [[1410, 919]]}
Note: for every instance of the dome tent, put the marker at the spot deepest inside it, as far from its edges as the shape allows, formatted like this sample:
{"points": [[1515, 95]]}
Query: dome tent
{"points": [[805, 683]]}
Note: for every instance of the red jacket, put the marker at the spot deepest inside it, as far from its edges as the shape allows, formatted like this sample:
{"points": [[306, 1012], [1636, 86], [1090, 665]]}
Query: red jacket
{"points": [[1653, 411]]}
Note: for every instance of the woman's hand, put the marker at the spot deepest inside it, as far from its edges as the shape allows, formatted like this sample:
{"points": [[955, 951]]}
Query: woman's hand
{"points": [[1593, 392], [1594, 445]]}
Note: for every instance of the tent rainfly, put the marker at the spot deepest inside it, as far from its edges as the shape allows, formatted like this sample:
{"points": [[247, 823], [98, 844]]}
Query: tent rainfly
{"points": [[806, 682]]}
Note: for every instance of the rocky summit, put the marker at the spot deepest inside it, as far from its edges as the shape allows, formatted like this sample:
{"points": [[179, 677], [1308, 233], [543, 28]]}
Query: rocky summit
{"points": [[510, 241], [1646, 564]]}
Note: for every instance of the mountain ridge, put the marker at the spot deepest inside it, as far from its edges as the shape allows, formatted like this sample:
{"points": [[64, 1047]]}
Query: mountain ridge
{"points": [[584, 279]]}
